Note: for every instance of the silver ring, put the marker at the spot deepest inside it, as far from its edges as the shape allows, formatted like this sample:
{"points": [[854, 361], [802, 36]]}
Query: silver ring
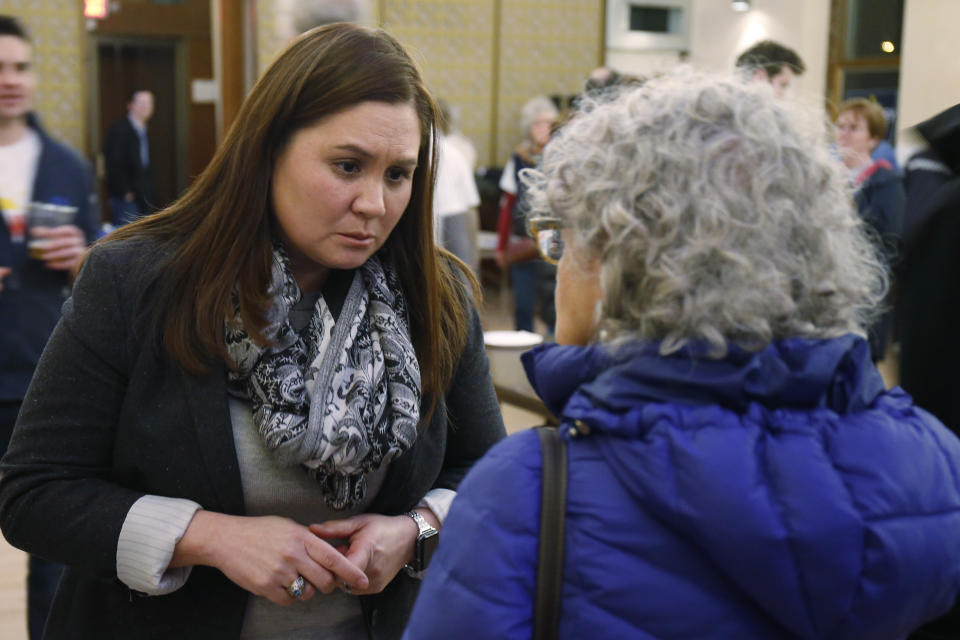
{"points": [[296, 587]]}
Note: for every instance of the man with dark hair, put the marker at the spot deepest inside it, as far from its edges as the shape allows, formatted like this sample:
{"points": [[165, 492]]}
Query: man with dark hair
{"points": [[127, 154], [34, 169], [772, 62]]}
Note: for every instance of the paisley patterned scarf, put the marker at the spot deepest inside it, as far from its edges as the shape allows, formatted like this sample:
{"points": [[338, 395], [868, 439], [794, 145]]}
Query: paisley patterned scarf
{"points": [[339, 398]]}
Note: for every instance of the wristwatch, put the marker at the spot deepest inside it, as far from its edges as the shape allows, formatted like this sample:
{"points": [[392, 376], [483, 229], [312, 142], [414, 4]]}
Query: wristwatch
{"points": [[427, 540]]}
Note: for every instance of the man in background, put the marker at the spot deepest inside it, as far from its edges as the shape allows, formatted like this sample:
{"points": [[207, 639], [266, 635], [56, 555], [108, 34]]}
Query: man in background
{"points": [[127, 154], [34, 168], [772, 62]]}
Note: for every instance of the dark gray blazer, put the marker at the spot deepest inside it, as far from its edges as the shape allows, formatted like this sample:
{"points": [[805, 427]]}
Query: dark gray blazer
{"points": [[107, 419]]}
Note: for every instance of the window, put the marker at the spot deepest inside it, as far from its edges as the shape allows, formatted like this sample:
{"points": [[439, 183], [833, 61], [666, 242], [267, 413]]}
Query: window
{"points": [[864, 54], [638, 25]]}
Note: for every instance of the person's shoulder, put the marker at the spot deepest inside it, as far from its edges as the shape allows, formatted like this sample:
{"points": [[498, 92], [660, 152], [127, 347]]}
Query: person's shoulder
{"points": [[453, 158], [880, 450], [521, 448], [121, 124], [949, 193], [118, 130], [134, 248], [133, 257], [885, 173], [944, 209], [460, 279], [510, 464], [61, 153]]}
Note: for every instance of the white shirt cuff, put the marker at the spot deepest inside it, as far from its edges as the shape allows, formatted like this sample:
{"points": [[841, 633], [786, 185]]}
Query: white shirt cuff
{"points": [[438, 501], [151, 530]]}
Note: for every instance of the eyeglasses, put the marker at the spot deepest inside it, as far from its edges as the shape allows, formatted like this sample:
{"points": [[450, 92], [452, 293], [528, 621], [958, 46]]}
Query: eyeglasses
{"points": [[545, 232]]}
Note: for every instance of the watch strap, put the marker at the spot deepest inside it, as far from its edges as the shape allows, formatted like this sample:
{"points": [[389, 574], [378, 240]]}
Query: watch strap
{"points": [[424, 530]]}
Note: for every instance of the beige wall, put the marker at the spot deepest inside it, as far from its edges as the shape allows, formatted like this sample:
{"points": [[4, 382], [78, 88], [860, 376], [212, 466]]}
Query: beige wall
{"points": [[453, 42], [929, 65], [545, 48], [488, 63], [719, 35], [57, 30], [275, 20]]}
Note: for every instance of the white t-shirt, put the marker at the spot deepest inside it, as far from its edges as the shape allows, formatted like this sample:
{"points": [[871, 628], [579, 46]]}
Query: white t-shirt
{"points": [[465, 146], [18, 167], [456, 188], [508, 179]]}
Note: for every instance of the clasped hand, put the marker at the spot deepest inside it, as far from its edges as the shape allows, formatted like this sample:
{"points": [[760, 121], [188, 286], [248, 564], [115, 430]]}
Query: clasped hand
{"points": [[264, 555], [378, 545]]}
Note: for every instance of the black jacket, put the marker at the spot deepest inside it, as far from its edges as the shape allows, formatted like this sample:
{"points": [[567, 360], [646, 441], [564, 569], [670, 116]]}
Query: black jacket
{"points": [[107, 420], [928, 314], [126, 172], [929, 309], [880, 201]]}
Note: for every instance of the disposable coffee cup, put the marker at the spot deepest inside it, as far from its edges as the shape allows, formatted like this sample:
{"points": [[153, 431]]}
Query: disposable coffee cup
{"points": [[44, 214]]}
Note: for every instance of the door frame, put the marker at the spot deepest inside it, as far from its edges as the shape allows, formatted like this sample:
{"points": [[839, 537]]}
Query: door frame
{"points": [[838, 61], [180, 97]]}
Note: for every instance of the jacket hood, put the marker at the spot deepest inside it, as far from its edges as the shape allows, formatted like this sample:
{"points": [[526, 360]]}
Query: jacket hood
{"points": [[828, 503], [33, 121], [797, 373], [942, 132]]}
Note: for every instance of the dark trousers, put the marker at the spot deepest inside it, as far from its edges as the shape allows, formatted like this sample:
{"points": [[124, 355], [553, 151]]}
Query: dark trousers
{"points": [[8, 417], [43, 576], [523, 277], [533, 283]]}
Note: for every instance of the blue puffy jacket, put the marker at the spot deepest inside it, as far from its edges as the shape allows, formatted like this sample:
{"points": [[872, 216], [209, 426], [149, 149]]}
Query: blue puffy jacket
{"points": [[776, 494]]}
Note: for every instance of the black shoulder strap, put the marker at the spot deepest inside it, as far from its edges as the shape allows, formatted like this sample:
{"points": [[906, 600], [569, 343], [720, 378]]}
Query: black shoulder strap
{"points": [[546, 612]]}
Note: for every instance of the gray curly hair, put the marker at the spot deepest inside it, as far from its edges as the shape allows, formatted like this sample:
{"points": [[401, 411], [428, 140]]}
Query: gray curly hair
{"points": [[533, 109], [718, 215]]}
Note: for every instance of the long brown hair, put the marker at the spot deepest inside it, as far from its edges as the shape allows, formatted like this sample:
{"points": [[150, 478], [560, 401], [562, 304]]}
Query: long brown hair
{"points": [[219, 232]]}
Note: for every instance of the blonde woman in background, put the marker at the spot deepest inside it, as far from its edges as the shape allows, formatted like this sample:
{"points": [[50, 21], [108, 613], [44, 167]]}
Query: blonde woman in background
{"points": [[878, 191], [530, 278]]}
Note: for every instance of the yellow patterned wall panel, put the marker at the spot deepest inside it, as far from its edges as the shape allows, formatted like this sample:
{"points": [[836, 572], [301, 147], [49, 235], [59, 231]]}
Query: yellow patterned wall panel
{"points": [[274, 21], [57, 31], [269, 39], [453, 42], [546, 47], [487, 57]]}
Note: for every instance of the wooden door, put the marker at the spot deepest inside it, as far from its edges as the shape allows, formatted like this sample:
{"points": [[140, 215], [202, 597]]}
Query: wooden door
{"points": [[125, 66]]}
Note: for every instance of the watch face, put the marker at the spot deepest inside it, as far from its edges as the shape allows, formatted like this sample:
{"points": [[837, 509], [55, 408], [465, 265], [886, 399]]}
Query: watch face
{"points": [[429, 546]]}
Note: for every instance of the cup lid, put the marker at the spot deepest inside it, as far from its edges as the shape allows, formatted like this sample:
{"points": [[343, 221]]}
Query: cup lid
{"points": [[511, 339]]}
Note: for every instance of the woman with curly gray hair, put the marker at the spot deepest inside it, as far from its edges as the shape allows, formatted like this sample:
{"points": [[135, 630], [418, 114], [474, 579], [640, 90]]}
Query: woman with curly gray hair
{"points": [[736, 468]]}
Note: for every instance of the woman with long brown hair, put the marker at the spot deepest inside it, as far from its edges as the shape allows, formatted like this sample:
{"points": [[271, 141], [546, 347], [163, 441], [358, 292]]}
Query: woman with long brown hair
{"points": [[273, 387]]}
